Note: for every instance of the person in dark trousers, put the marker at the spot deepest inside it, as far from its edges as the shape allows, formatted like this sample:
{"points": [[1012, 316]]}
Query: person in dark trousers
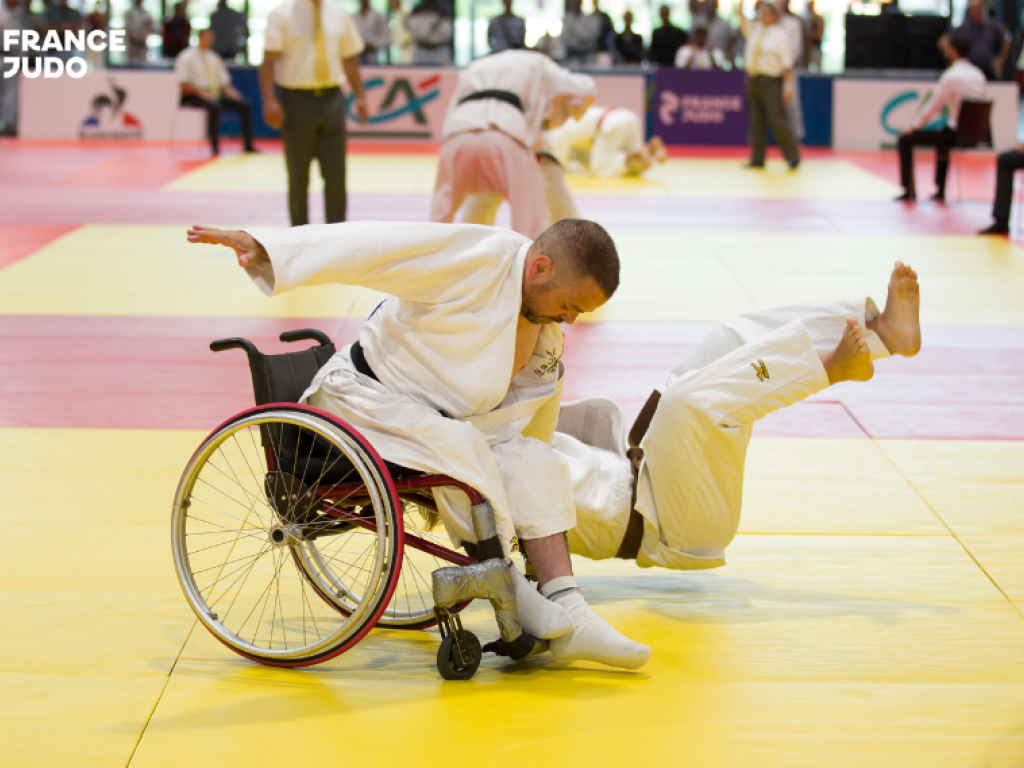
{"points": [[310, 47], [629, 46], [769, 61], [962, 80], [1007, 165], [666, 40], [205, 83]]}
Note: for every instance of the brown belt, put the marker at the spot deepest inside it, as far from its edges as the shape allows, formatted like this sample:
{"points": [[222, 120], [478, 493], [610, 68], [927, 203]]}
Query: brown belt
{"points": [[630, 546]]}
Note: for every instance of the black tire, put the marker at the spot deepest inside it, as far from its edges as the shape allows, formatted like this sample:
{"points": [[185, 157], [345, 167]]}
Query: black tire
{"points": [[448, 662]]}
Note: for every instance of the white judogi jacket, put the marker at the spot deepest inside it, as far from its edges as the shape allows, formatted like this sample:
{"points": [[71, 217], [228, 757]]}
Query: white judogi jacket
{"points": [[531, 76], [442, 343], [602, 139]]}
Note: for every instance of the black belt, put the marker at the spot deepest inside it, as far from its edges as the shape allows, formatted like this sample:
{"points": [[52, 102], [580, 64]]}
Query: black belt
{"points": [[507, 96], [545, 155], [359, 361]]}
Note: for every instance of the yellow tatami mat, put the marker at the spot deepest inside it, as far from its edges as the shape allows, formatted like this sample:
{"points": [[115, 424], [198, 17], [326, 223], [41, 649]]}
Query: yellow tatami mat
{"points": [[702, 276], [415, 173], [849, 628]]}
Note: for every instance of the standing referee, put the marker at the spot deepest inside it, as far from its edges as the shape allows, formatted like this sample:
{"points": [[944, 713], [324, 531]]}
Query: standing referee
{"points": [[311, 45], [769, 62]]}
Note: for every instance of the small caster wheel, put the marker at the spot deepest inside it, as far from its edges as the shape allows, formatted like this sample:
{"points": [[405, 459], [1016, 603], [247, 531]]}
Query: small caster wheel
{"points": [[450, 663]]}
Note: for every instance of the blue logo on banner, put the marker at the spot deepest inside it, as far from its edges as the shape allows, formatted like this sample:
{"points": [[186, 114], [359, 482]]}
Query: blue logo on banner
{"points": [[401, 99], [898, 101]]}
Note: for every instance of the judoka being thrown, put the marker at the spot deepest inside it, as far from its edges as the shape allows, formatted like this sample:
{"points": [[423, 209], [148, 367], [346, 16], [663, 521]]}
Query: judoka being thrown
{"points": [[451, 369]]}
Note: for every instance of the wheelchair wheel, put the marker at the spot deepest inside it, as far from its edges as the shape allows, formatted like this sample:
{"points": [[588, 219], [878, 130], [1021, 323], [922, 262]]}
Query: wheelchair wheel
{"points": [[412, 605], [459, 666], [249, 500]]}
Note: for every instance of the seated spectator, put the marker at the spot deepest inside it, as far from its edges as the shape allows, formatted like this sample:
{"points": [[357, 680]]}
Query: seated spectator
{"points": [[629, 46], [177, 32], [373, 28], [697, 55], [138, 26], [666, 40], [579, 35], [1008, 164], [961, 81], [230, 31], [990, 43], [431, 30], [506, 32], [205, 83]]}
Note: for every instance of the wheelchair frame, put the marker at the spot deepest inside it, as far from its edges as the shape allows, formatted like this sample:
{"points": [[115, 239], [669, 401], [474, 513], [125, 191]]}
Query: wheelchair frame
{"points": [[305, 514]]}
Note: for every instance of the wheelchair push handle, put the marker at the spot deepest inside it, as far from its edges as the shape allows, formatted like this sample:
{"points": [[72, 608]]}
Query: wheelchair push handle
{"points": [[312, 334], [234, 343]]}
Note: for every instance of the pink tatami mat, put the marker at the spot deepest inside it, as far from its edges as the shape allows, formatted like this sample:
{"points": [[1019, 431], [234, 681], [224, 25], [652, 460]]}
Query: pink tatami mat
{"points": [[159, 373]]}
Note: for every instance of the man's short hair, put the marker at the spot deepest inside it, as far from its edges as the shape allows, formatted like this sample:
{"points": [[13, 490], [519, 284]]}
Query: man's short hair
{"points": [[961, 44], [586, 249]]}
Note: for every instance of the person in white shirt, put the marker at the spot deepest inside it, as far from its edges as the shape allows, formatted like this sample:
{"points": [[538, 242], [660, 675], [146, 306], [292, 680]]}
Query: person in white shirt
{"points": [[205, 83], [495, 119], [138, 26], [769, 62], [452, 369], [432, 32], [962, 80], [506, 32], [373, 28], [696, 54], [580, 35], [673, 498], [309, 48]]}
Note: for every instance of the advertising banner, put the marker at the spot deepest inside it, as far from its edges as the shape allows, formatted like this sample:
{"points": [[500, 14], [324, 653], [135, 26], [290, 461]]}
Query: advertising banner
{"points": [[694, 107], [869, 114], [406, 104], [113, 105], [409, 103]]}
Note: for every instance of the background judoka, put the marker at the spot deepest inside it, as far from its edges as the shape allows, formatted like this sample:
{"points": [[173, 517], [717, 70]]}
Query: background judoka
{"points": [[690, 489], [604, 141], [459, 360], [493, 125]]}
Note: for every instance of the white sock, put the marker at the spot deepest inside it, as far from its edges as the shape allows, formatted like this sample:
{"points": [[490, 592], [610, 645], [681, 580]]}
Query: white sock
{"points": [[592, 638], [539, 616]]}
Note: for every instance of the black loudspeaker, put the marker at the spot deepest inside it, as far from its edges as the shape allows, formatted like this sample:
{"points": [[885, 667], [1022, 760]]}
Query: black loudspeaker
{"points": [[894, 41]]}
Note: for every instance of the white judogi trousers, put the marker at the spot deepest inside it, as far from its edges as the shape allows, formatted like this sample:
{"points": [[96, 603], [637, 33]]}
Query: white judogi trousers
{"points": [[691, 481], [495, 163], [482, 208]]}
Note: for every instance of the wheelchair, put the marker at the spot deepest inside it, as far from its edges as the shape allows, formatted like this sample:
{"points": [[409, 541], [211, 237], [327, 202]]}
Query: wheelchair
{"points": [[292, 538]]}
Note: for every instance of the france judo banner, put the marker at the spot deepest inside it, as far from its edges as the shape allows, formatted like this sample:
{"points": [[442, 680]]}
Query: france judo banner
{"points": [[697, 107], [869, 114]]}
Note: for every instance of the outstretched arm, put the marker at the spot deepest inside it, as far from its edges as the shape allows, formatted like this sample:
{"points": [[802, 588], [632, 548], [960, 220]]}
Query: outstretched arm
{"points": [[422, 262]]}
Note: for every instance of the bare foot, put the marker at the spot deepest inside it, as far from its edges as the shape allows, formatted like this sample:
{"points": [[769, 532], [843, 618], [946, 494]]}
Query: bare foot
{"points": [[850, 360], [899, 325]]}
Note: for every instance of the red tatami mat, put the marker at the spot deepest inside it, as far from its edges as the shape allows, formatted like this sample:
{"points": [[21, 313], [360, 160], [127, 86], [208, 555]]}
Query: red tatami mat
{"points": [[20, 240], [159, 373]]}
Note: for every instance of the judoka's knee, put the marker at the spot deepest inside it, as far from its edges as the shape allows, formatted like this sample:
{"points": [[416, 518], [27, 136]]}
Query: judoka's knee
{"points": [[538, 486]]}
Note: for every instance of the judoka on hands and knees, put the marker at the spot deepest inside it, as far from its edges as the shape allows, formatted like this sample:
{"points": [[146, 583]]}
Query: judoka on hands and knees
{"points": [[464, 354], [689, 489]]}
